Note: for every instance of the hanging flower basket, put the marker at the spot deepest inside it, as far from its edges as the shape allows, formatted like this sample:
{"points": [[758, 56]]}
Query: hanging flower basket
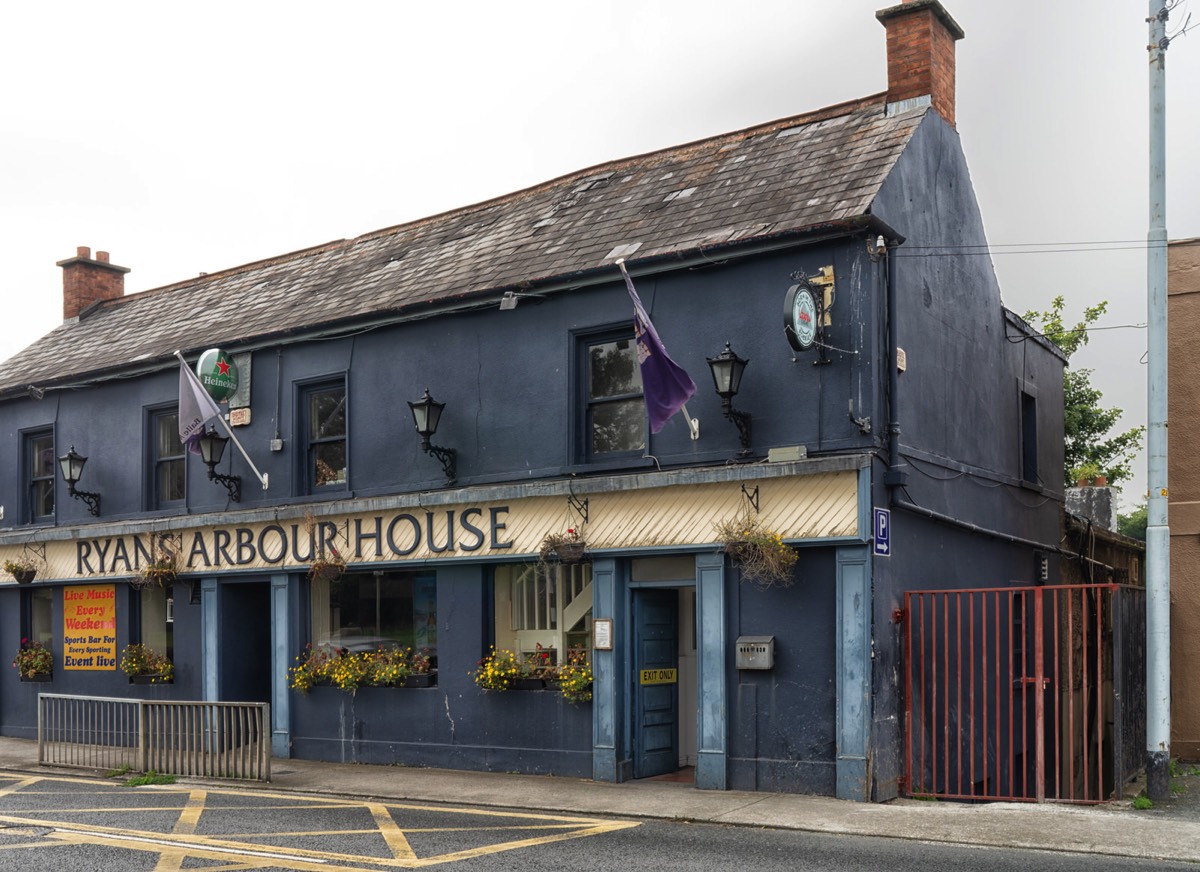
{"points": [[23, 571], [568, 547], [327, 569], [759, 552]]}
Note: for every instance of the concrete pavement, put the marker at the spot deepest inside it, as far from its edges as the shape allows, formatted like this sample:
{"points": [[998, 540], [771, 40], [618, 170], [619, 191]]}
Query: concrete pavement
{"points": [[1170, 831]]}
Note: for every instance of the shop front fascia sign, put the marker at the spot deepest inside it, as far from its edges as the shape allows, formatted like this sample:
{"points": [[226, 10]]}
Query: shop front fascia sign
{"points": [[799, 508]]}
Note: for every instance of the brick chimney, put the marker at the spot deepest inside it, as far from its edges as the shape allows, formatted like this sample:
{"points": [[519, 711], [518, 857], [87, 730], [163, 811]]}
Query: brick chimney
{"points": [[87, 281], [920, 56]]}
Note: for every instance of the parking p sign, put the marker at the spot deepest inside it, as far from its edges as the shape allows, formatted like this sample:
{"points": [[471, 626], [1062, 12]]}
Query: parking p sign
{"points": [[883, 532]]}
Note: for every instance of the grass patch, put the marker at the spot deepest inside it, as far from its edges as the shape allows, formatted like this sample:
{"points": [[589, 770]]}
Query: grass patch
{"points": [[150, 777], [120, 772], [1142, 802]]}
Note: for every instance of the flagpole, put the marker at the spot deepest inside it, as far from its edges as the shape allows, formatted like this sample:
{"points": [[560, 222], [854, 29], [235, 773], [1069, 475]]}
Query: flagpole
{"points": [[693, 425], [260, 476]]}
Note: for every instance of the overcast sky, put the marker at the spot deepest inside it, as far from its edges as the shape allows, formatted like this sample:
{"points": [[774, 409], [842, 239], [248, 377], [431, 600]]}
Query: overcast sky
{"points": [[188, 138]]}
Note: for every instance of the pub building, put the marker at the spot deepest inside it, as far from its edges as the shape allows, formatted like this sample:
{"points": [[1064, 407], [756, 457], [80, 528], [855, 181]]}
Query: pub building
{"points": [[423, 414]]}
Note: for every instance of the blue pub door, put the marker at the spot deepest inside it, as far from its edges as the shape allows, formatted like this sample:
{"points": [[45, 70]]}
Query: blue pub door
{"points": [[655, 682]]}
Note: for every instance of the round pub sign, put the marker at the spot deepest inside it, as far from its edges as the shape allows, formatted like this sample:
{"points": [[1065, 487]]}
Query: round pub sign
{"points": [[218, 373]]}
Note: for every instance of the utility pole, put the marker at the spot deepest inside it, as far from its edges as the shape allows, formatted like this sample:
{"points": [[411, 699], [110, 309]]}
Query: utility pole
{"points": [[1158, 534]]}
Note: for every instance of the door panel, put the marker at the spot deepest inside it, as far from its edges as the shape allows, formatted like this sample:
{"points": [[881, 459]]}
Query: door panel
{"points": [[656, 705]]}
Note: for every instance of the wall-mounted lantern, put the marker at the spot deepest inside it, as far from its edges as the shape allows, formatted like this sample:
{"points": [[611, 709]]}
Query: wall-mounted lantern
{"points": [[727, 369], [71, 465], [212, 448], [427, 412]]}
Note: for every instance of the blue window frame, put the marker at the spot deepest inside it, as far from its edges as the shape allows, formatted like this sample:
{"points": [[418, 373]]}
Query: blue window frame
{"points": [[39, 465], [613, 409], [323, 425], [168, 460]]}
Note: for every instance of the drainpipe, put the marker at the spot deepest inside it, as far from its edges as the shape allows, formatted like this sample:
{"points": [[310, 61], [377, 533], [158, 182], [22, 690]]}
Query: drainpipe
{"points": [[896, 475]]}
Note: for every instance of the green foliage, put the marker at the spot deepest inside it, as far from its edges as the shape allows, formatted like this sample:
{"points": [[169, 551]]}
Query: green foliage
{"points": [[1133, 525], [139, 659], [1087, 425], [1142, 802], [150, 777]]}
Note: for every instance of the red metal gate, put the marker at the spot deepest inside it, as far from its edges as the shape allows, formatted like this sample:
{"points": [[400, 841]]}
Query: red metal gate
{"points": [[1018, 693]]}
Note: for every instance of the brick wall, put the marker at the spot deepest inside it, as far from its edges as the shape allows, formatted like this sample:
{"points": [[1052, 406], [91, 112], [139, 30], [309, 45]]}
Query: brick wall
{"points": [[87, 281]]}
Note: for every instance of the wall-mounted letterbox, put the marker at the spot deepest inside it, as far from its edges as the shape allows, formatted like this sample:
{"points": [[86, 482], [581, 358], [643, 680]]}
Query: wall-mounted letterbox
{"points": [[756, 652]]}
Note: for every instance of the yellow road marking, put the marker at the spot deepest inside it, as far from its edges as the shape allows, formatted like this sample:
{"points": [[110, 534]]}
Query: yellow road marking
{"points": [[18, 785], [392, 834], [182, 843]]}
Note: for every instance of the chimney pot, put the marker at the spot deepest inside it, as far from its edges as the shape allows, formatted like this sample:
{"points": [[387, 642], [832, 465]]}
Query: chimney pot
{"points": [[102, 256], [920, 50]]}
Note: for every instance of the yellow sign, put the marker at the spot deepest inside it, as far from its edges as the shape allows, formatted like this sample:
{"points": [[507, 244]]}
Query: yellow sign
{"points": [[658, 676], [90, 627]]}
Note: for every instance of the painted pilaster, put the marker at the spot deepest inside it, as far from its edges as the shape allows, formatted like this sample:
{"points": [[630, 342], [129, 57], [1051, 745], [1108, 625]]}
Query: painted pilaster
{"points": [[607, 668], [712, 724], [210, 629], [281, 650], [853, 672]]}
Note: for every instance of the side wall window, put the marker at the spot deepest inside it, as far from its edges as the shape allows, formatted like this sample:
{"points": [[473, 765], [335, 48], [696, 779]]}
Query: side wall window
{"points": [[167, 459], [614, 412], [323, 411], [1029, 438], [39, 467]]}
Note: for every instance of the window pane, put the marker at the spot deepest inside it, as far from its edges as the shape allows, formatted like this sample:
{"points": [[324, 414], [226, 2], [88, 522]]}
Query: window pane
{"points": [[42, 448], [362, 611], [168, 436], [329, 463], [327, 414], [43, 498], [170, 480], [613, 370], [618, 426], [41, 613], [156, 631]]}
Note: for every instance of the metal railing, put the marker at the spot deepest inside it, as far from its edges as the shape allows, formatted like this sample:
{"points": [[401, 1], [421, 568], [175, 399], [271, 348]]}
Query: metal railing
{"points": [[1023, 693], [202, 739]]}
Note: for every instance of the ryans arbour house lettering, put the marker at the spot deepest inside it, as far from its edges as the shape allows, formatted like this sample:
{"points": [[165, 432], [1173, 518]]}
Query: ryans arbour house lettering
{"points": [[379, 537]]}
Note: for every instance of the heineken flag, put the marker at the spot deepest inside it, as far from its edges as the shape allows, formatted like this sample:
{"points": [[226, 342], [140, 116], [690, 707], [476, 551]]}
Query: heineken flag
{"points": [[196, 409], [666, 386]]}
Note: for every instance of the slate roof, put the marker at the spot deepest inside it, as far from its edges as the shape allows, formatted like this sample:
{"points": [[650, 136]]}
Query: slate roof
{"points": [[785, 177]]}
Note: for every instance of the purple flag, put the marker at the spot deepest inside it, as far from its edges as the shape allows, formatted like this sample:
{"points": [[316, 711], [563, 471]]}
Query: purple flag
{"points": [[196, 409], [665, 384]]}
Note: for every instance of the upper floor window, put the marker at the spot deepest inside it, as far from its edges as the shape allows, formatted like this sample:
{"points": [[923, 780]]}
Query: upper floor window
{"points": [[1029, 437], [324, 425], [39, 474], [167, 458], [615, 416]]}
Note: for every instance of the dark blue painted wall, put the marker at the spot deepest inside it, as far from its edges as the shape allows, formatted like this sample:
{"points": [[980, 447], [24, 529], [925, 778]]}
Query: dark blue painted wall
{"points": [[959, 412], [509, 378], [18, 700]]}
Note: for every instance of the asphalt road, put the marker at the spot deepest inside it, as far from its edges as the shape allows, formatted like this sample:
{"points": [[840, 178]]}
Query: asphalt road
{"points": [[85, 825]]}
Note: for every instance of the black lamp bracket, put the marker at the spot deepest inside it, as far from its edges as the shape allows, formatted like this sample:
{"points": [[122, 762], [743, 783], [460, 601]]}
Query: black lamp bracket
{"points": [[233, 483], [448, 458], [741, 420], [91, 499]]}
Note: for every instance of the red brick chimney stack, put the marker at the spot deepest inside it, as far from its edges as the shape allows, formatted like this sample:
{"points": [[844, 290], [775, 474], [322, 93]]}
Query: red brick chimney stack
{"points": [[87, 281], [920, 55]]}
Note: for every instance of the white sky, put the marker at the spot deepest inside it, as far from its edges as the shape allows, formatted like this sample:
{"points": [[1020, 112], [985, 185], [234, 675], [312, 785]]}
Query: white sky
{"points": [[188, 138]]}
